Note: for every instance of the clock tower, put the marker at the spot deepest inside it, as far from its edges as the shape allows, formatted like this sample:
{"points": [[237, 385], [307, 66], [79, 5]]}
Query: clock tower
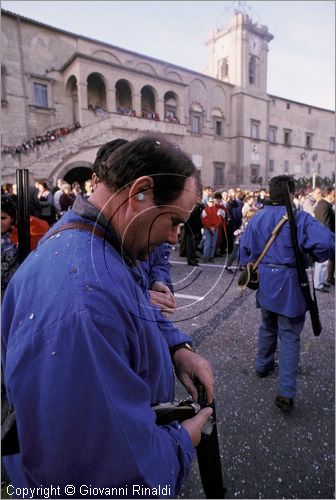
{"points": [[237, 54]]}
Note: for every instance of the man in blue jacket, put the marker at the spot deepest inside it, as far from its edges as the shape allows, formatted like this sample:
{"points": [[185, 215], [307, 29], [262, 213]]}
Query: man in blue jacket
{"points": [[155, 279], [283, 306], [84, 358]]}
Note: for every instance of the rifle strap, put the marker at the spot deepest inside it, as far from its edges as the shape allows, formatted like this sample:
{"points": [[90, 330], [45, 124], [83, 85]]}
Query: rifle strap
{"points": [[274, 234], [82, 226]]}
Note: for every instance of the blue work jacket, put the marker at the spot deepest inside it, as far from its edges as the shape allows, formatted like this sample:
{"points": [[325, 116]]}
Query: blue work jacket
{"points": [[157, 268], [84, 360], [279, 289]]}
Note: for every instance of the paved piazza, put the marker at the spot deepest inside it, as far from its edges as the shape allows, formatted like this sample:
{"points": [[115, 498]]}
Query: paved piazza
{"points": [[265, 454]]}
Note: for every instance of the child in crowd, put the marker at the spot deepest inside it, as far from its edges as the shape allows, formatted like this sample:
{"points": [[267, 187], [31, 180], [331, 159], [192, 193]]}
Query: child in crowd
{"points": [[9, 251]]}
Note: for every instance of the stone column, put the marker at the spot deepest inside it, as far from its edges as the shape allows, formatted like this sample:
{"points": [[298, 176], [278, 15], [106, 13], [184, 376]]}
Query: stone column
{"points": [[180, 112], [136, 104], [82, 102], [159, 108], [111, 100]]}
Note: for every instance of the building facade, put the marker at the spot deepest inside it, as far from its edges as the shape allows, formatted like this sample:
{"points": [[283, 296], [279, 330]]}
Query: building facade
{"points": [[64, 95]]}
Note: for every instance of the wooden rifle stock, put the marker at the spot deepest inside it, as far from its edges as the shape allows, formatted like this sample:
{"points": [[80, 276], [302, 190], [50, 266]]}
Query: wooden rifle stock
{"points": [[300, 265]]}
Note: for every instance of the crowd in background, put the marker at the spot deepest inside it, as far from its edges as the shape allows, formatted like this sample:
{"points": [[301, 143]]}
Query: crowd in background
{"points": [[213, 229], [46, 206], [218, 221], [37, 141]]}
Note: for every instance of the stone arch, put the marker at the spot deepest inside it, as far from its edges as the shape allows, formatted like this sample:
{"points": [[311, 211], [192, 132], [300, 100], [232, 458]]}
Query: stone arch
{"points": [[146, 68], [172, 75], [39, 41], [106, 56], [96, 91], [217, 100], [148, 100], [215, 111], [197, 107], [71, 100], [171, 103], [124, 91], [75, 171], [197, 93], [223, 70], [218, 96], [197, 89]]}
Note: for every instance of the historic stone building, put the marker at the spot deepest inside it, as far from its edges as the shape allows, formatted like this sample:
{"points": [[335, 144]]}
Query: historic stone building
{"points": [[235, 131]]}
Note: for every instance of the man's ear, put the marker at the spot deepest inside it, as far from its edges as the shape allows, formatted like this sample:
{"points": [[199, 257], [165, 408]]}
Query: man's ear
{"points": [[141, 192], [95, 180]]}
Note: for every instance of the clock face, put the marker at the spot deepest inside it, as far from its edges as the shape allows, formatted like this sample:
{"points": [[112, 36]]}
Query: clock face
{"points": [[255, 45]]}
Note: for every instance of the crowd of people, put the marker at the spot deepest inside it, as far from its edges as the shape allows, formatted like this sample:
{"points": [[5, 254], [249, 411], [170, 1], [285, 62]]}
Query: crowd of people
{"points": [[220, 218], [126, 110], [35, 142], [87, 374], [46, 206]]}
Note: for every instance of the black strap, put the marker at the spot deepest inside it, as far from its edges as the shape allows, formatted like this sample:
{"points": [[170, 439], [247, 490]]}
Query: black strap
{"points": [[82, 226], [269, 242]]}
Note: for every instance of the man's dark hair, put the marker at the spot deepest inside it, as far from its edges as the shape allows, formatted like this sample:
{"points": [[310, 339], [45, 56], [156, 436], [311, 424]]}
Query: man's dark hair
{"points": [[276, 191], [153, 156], [104, 152], [327, 190]]}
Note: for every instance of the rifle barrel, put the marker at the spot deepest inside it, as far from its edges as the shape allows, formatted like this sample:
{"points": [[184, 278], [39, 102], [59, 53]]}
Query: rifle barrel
{"points": [[302, 274], [23, 222]]}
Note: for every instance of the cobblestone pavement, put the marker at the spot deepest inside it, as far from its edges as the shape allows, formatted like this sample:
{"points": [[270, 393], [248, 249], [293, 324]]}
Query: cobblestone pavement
{"points": [[265, 453]]}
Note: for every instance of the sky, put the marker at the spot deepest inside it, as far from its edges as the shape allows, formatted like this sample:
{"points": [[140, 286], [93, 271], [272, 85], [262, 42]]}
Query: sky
{"points": [[301, 57]]}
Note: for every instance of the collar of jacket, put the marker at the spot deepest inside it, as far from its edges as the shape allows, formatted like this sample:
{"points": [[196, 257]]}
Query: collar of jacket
{"points": [[85, 209]]}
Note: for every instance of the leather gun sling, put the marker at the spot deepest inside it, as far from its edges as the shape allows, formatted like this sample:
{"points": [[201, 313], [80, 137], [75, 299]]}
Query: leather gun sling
{"points": [[275, 232], [83, 227]]}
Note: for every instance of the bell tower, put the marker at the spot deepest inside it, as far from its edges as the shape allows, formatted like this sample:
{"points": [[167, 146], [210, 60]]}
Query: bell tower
{"points": [[237, 53]]}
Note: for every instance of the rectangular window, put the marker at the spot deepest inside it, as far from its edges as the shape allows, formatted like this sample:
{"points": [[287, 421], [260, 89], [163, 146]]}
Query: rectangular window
{"points": [[309, 141], [195, 124], [288, 105], [40, 95], [272, 134], [255, 129], [219, 174], [307, 168], [271, 166], [287, 137], [319, 168], [219, 128], [332, 145], [286, 166]]}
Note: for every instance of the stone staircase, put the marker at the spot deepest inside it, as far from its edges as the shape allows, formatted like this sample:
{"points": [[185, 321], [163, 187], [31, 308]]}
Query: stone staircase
{"points": [[45, 158]]}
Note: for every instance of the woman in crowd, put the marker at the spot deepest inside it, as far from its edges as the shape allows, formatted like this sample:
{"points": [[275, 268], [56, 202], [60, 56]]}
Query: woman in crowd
{"points": [[46, 202]]}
